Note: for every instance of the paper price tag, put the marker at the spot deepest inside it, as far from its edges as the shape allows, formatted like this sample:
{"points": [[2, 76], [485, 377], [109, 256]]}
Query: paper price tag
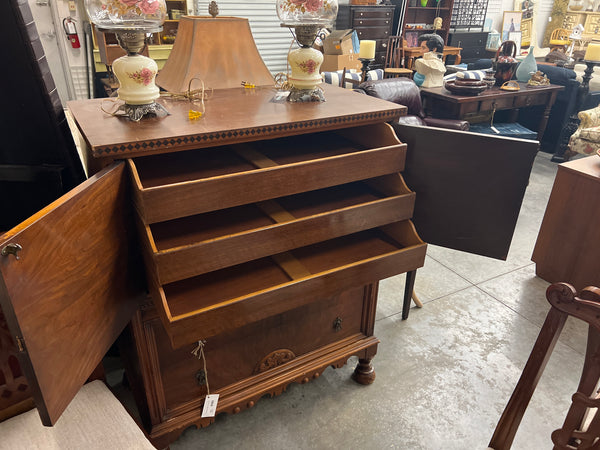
{"points": [[210, 405]]}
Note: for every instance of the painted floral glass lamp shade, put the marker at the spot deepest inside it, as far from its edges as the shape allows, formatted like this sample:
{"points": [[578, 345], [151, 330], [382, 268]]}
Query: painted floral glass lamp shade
{"points": [[306, 17], [132, 21]]}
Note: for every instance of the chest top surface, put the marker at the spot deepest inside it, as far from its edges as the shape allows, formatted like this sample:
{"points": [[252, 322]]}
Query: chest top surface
{"points": [[588, 167], [232, 115]]}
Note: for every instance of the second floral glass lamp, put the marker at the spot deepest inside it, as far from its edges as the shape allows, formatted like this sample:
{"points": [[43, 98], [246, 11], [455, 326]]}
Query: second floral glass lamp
{"points": [[132, 21], [306, 17]]}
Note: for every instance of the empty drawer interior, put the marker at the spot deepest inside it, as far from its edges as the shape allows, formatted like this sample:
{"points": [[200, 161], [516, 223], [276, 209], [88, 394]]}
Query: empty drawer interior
{"points": [[182, 184], [219, 224], [193, 245], [234, 284], [193, 165]]}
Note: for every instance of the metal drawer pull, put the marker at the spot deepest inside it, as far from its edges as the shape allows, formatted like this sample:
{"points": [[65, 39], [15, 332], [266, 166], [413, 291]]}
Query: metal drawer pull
{"points": [[11, 249]]}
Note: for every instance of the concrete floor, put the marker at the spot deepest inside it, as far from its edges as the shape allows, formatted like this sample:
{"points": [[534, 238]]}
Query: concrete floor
{"points": [[444, 375]]}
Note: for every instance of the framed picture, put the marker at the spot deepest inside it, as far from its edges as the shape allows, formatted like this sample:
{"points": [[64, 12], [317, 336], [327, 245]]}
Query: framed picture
{"points": [[412, 38], [526, 7], [515, 36], [487, 24], [511, 22]]}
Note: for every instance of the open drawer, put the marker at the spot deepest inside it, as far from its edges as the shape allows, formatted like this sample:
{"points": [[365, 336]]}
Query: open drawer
{"points": [[186, 183], [209, 304], [190, 246]]}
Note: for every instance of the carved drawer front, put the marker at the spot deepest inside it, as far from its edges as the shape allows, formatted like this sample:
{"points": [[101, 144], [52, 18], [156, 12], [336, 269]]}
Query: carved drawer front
{"points": [[186, 183], [252, 350], [216, 302], [190, 246]]}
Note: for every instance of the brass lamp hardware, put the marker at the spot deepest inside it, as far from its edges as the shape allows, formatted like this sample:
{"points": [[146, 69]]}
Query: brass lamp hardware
{"points": [[337, 324], [11, 249], [201, 377]]}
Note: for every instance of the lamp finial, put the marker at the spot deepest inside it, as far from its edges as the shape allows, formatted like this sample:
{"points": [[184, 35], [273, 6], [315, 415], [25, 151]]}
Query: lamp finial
{"points": [[213, 9]]}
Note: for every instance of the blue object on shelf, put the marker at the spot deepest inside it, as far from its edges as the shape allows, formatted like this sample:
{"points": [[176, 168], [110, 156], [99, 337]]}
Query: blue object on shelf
{"points": [[515, 130]]}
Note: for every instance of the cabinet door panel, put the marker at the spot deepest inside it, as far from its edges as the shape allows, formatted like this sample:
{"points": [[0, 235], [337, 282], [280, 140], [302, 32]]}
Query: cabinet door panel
{"points": [[70, 293], [469, 187]]}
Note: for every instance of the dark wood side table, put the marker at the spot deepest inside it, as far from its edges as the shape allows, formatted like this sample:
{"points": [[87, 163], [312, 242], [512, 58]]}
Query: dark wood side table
{"points": [[569, 239], [439, 102]]}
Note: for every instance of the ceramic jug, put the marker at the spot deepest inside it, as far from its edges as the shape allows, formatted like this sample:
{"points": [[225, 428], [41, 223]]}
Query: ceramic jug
{"points": [[526, 68]]}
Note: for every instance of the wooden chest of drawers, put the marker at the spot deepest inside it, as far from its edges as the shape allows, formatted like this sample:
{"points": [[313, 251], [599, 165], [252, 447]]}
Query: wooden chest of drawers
{"points": [[472, 44], [370, 22], [264, 229], [269, 252]]}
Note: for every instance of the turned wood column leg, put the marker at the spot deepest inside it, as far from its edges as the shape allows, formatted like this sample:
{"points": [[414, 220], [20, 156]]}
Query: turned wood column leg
{"points": [[364, 372]]}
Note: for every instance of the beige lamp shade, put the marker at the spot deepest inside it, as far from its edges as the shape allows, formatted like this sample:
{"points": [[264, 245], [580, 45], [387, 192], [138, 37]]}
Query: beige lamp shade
{"points": [[219, 51]]}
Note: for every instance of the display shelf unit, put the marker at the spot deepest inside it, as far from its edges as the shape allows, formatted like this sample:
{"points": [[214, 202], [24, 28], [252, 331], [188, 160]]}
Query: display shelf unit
{"points": [[419, 19], [468, 15]]}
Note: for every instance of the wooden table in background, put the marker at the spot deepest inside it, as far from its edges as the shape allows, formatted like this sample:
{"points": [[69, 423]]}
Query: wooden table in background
{"points": [[441, 103], [411, 53], [568, 243]]}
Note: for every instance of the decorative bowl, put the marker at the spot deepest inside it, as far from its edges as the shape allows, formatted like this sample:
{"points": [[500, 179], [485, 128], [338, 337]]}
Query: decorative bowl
{"points": [[474, 89]]}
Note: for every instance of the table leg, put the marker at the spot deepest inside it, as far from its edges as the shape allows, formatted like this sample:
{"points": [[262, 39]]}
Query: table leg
{"points": [[408, 291], [545, 116]]}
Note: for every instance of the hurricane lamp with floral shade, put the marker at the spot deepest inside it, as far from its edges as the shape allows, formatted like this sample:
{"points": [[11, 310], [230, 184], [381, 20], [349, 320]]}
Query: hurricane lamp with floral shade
{"points": [[306, 18], [132, 22]]}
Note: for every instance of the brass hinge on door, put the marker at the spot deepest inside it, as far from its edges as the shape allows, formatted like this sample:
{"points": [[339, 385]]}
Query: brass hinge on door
{"points": [[20, 343]]}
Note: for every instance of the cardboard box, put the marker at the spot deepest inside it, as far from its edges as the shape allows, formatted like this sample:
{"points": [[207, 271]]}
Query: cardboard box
{"points": [[331, 63], [339, 42]]}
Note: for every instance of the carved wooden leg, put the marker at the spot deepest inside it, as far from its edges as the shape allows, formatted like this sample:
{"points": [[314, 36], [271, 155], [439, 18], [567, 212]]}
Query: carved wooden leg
{"points": [[364, 372]]}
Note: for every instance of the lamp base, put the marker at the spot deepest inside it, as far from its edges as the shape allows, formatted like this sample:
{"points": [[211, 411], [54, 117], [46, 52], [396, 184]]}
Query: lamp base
{"points": [[137, 112], [306, 95]]}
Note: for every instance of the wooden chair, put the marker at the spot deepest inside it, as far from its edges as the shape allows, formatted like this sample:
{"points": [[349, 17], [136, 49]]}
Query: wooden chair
{"points": [[581, 427], [559, 39], [344, 80], [394, 58]]}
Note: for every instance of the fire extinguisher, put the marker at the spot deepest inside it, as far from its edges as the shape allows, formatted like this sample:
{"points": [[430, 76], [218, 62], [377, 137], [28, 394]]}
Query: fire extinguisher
{"points": [[71, 31]]}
